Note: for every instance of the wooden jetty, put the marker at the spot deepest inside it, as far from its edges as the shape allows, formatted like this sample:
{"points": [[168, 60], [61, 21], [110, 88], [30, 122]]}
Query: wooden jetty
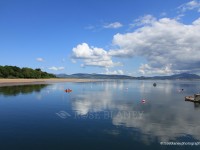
{"points": [[195, 98]]}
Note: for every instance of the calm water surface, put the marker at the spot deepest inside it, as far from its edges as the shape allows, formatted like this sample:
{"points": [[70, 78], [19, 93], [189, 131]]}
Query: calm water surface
{"points": [[99, 115]]}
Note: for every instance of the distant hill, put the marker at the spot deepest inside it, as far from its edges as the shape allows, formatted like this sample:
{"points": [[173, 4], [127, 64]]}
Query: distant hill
{"points": [[104, 76], [178, 76], [62, 75], [185, 76], [94, 76]]}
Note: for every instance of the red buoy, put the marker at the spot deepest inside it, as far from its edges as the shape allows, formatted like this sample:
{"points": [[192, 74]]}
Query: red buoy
{"points": [[143, 101], [68, 90]]}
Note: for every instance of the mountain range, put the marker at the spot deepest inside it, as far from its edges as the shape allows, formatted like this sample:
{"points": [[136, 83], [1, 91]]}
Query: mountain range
{"points": [[104, 76]]}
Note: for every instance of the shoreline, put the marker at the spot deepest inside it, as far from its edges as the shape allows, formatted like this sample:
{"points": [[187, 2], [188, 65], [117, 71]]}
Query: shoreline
{"points": [[12, 82]]}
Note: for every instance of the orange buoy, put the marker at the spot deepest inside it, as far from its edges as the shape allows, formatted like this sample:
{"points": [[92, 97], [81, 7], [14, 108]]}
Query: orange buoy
{"points": [[68, 90]]}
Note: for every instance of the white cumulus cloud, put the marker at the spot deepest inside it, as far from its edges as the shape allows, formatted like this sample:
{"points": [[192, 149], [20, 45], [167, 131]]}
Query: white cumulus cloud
{"points": [[144, 20], [145, 69], [93, 56], [165, 43], [115, 72], [56, 68], [113, 25], [39, 59], [191, 5]]}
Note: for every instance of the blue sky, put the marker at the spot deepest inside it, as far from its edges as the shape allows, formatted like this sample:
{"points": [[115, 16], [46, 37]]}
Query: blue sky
{"points": [[131, 37]]}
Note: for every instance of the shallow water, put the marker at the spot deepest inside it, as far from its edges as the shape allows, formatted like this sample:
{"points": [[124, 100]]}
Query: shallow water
{"points": [[100, 115]]}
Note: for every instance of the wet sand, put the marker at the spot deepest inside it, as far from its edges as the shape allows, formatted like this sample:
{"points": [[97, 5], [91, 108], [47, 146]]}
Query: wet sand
{"points": [[10, 82]]}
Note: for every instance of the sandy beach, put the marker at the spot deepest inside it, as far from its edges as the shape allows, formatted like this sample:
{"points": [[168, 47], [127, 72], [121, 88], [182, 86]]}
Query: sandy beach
{"points": [[10, 82]]}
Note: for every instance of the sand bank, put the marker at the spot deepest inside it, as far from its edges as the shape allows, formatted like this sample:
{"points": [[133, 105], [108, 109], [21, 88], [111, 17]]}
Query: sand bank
{"points": [[10, 82]]}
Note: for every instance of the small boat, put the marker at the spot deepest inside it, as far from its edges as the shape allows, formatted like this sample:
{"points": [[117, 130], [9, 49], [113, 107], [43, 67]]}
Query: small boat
{"points": [[154, 84], [68, 90], [195, 98], [189, 98]]}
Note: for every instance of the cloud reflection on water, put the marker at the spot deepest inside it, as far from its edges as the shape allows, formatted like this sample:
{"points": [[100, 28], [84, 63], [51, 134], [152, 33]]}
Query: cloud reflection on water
{"points": [[166, 115]]}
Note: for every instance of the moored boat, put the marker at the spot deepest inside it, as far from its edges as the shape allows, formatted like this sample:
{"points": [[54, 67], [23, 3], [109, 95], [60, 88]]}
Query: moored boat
{"points": [[195, 98]]}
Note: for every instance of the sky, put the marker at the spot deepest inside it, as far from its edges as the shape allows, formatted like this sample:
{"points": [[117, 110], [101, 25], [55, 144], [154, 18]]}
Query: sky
{"points": [[125, 37]]}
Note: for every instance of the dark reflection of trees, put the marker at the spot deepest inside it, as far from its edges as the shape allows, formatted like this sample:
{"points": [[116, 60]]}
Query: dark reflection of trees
{"points": [[21, 89]]}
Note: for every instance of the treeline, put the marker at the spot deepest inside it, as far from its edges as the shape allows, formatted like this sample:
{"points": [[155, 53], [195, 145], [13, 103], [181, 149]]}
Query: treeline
{"points": [[16, 72]]}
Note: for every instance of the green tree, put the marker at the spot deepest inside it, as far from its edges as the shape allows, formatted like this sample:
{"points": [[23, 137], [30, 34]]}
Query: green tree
{"points": [[16, 72]]}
